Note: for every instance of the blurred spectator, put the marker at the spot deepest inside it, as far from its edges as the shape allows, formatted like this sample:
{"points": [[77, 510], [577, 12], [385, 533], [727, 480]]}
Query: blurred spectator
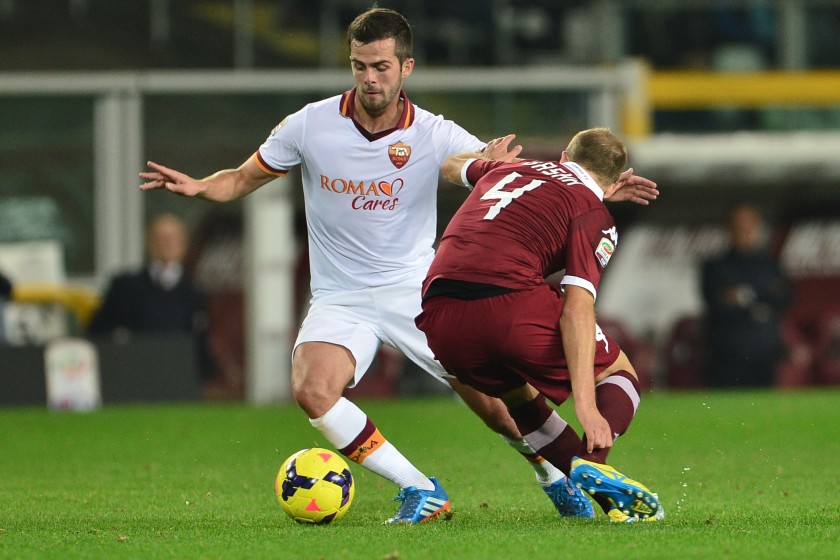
{"points": [[217, 262], [5, 295], [160, 297], [5, 287], [746, 294]]}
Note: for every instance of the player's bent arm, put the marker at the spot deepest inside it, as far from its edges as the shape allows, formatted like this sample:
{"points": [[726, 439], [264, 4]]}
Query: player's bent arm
{"points": [[577, 326], [498, 149], [452, 166]]}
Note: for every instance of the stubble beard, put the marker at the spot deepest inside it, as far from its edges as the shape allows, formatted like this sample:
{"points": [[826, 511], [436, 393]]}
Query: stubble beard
{"points": [[377, 109]]}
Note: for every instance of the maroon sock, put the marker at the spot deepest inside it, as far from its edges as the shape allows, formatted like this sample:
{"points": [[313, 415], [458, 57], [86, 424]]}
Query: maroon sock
{"points": [[617, 398], [547, 433]]}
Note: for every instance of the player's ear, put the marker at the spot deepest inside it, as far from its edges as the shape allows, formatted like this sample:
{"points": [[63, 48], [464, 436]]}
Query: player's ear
{"points": [[564, 157], [407, 67]]}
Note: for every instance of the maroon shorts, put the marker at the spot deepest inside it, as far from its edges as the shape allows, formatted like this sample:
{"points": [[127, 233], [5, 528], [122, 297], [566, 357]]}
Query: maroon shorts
{"points": [[499, 343]]}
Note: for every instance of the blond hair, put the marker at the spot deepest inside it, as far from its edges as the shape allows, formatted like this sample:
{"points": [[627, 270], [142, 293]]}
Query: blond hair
{"points": [[600, 152]]}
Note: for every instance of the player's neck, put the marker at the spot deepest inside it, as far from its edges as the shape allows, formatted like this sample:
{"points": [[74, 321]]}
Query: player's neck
{"points": [[386, 120]]}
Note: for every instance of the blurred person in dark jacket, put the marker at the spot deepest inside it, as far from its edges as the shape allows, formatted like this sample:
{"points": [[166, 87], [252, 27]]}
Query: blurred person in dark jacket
{"points": [[160, 297], [746, 294], [5, 287], [5, 295]]}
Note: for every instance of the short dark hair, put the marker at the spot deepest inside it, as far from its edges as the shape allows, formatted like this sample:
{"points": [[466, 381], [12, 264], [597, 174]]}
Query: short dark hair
{"points": [[382, 23], [600, 152]]}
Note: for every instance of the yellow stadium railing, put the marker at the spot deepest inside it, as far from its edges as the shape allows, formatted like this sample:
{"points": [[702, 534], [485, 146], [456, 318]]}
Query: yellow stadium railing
{"points": [[80, 300], [693, 90]]}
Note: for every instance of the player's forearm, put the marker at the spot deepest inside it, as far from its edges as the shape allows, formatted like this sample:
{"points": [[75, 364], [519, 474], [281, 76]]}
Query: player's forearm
{"points": [[226, 185], [452, 166], [577, 324], [580, 356]]}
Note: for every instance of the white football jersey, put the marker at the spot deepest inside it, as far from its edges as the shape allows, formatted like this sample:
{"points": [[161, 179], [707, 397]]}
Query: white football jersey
{"points": [[370, 199]]}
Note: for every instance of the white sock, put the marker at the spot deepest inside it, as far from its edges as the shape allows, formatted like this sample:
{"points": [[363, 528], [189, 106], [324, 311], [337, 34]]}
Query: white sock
{"points": [[387, 461], [341, 423], [546, 473], [344, 422]]}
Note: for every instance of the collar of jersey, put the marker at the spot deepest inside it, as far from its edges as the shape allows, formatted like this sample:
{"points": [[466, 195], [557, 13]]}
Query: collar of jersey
{"points": [[587, 179], [347, 109]]}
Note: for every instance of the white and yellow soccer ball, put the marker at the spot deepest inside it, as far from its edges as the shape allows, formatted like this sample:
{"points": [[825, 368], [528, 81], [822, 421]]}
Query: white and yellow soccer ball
{"points": [[315, 486]]}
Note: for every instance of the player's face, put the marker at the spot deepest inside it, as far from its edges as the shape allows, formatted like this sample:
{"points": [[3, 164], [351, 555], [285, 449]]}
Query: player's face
{"points": [[378, 73]]}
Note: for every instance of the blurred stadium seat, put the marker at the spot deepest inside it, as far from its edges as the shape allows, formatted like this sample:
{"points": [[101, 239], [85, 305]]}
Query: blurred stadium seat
{"points": [[684, 352], [827, 346], [795, 367]]}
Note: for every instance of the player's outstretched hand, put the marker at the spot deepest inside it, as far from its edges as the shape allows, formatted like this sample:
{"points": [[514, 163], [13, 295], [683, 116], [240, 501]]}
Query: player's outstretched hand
{"points": [[633, 188], [499, 149], [164, 178]]}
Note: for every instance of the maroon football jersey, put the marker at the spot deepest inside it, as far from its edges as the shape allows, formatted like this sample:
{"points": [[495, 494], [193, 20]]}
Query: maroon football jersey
{"points": [[524, 221]]}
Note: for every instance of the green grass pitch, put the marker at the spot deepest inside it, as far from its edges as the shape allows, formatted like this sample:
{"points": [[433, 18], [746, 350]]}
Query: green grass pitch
{"points": [[741, 475]]}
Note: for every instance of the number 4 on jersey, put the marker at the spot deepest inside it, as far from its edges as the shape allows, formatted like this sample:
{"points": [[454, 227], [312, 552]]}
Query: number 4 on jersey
{"points": [[497, 192]]}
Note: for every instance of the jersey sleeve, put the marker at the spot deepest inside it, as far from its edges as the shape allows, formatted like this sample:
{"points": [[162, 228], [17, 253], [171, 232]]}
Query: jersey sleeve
{"points": [[475, 169], [453, 139], [281, 151], [591, 242]]}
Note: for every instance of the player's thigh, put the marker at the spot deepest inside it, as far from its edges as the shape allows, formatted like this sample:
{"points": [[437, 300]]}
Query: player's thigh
{"points": [[621, 363], [535, 345], [321, 368], [465, 337], [345, 323], [534, 342], [398, 307]]}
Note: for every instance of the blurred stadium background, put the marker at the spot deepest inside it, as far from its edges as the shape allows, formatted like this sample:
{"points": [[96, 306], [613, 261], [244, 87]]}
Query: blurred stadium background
{"points": [[720, 102]]}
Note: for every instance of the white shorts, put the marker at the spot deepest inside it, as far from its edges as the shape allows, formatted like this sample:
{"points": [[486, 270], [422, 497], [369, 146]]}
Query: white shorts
{"points": [[363, 320]]}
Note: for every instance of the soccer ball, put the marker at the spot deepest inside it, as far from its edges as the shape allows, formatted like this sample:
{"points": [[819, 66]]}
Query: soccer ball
{"points": [[315, 486]]}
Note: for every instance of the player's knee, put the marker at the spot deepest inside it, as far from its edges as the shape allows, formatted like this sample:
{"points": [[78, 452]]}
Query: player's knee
{"points": [[313, 397], [317, 387]]}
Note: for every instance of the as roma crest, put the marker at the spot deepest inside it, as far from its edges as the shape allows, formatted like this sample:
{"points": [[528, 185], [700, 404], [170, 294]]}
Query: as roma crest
{"points": [[399, 154]]}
